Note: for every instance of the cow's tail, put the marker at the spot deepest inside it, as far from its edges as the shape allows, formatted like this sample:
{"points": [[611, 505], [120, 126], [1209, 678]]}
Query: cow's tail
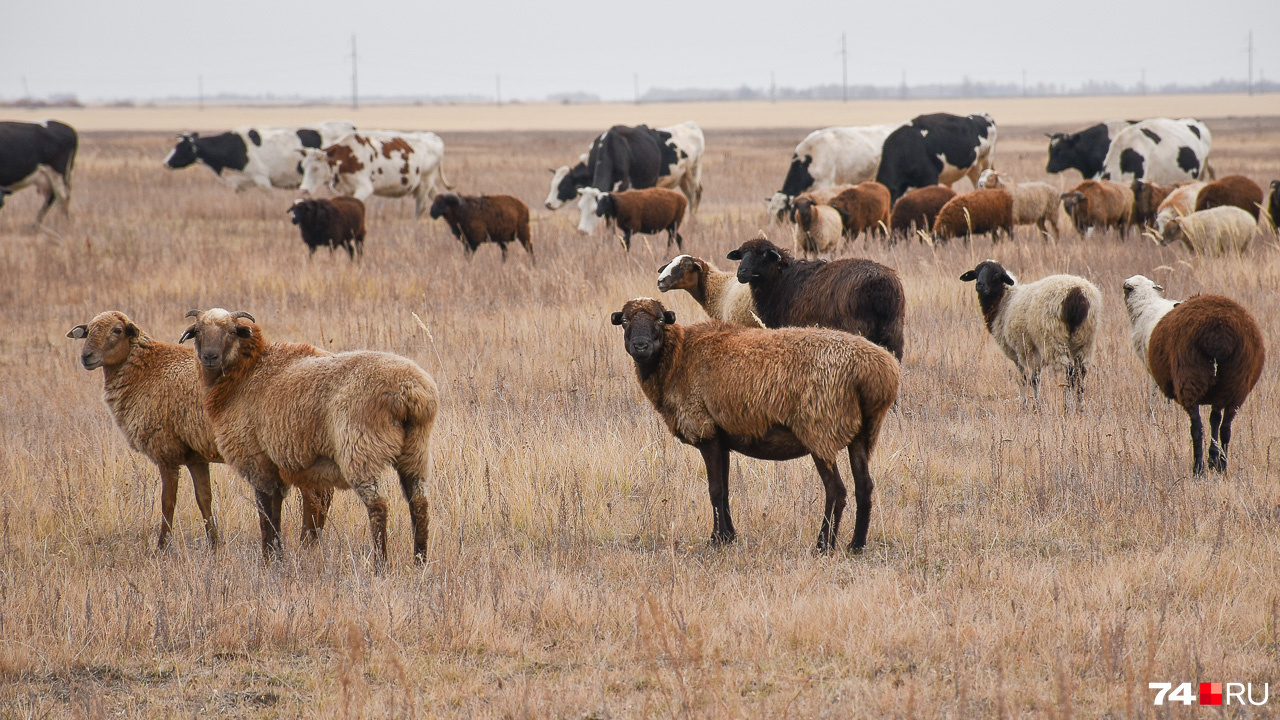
{"points": [[440, 174]]}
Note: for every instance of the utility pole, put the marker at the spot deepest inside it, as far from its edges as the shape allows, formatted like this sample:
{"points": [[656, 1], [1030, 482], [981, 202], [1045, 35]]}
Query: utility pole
{"points": [[1251, 62], [902, 89], [1144, 81], [773, 87], [635, 80], [844, 65], [497, 82], [1024, 82], [200, 91], [355, 95], [26, 91]]}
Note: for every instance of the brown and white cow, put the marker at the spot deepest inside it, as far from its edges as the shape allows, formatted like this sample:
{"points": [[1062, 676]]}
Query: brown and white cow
{"points": [[388, 164]]}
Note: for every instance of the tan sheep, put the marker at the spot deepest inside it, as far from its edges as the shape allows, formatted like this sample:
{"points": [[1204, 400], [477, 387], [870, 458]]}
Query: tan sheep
{"points": [[1180, 201], [289, 414], [1034, 203], [818, 227], [719, 293], [1216, 231]]}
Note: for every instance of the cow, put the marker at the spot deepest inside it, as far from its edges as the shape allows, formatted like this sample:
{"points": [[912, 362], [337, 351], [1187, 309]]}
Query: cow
{"points": [[624, 158], [1160, 150], [936, 149], [1085, 150], [831, 156], [387, 164], [255, 156], [40, 154]]}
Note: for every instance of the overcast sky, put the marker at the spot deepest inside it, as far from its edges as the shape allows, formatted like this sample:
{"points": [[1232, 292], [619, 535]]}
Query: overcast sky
{"points": [[157, 48]]}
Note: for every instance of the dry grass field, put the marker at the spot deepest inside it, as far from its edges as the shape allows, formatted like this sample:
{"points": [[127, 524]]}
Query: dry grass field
{"points": [[1021, 562]]}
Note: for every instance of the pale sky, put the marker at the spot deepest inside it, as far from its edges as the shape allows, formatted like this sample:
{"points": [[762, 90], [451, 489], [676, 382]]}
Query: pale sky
{"points": [[156, 48]]}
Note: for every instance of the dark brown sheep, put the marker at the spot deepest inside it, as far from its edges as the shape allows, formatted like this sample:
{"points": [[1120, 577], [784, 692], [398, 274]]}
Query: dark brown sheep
{"points": [[1207, 351], [863, 208], [647, 211], [486, 218], [855, 295], [1147, 197], [975, 213], [768, 394], [335, 222], [1232, 190], [918, 209], [1273, 205], [1099, 204]]}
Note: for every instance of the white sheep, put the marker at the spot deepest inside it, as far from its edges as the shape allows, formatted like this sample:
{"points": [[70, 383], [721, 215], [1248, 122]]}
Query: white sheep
{"points": [[1052, 321], [1182, 201], [818, 227], [1212, 232], [1034, 203], [719, 293], [1145, 304]]}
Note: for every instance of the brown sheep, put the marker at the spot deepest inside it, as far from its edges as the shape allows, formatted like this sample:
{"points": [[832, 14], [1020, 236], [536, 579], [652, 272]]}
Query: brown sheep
{"points": [[1232, 190], [818, 227], [486, 218], [336, 222], [1273, 206], [1147, 197], [769, 394], [1207, 351], [864, 207], [289, 414], [1099, 204], [856, 295], [646, 211], [975, 213], [918, 209], [153, 391]]}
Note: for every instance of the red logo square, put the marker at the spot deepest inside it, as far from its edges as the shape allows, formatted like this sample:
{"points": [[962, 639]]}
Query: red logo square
{"points": [[1210, 693]]}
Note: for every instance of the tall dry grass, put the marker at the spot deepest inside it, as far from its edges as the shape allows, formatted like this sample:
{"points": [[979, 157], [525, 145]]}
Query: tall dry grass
{"points": [[1021, 563]]}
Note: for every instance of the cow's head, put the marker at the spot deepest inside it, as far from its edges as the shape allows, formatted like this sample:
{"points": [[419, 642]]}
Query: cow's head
{"points": [[109, 339], [759, 260], [316, 171], [442, 203], [184, 153], [779, 204], [1064, 153], [565, 182], [643, 321], [589, 200]]}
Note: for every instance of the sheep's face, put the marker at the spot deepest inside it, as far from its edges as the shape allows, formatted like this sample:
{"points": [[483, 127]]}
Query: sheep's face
{"points": [[443, 203], [108, 339], [304, 212], [803, 211], [989, 179], [1137, 289], [643, 321], [1074, 202], [218, 334], [679, 274], [759, 261], [1173, 232], [990, 279]]}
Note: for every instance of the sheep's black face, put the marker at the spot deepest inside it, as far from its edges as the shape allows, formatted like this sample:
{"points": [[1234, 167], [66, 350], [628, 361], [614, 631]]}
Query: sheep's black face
{"points": [[643, 321], [108, 340], [607, 206], [1073, 201], [759, 261], [442, 203], [991, 278], [302, 212], [183, 154]]}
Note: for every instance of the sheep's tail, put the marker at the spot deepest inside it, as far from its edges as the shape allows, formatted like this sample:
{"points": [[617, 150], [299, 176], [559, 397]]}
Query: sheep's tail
{"points": [[1075, 310], [419, 405], [1218, 342]]}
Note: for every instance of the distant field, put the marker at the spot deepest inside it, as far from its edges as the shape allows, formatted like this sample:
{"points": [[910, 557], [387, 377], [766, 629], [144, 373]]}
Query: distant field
{"points": [[1062, 112], [1020, 563]]}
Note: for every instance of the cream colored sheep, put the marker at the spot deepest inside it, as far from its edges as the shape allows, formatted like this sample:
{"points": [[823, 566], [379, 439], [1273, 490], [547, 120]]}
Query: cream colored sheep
{"points": [[719, 293], [1034, 203], [1212, 232], [1182, 201], [818, 227]]}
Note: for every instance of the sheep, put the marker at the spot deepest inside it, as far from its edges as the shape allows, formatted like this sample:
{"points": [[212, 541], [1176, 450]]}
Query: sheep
{"points": [[864, 207], [783, 207], [918, 209], [1147, 197], [486, 218], [646, 211], [719, 293], [855, 295], [1145, 306], [287, 414], [975, 213], [1273, 206], [1232, 190], [336, 222], [1099, 204], [818, 227], [1212, 232], [769, 394], [1207, 351], [1051, 321], [1034, 203], [1179, 202]]}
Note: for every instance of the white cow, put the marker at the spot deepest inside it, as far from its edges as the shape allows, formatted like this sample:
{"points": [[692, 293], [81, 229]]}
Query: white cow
{"points": [[832, 156], [256, 155], [388, 164], [1160, 150]]}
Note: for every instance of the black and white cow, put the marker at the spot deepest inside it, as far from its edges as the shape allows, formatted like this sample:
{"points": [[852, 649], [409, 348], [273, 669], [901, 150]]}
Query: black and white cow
{"points": [[1085, 150], [936, 149], [258, 156], [40, 154], [624, 158], [832, 156], [1160, 150]]}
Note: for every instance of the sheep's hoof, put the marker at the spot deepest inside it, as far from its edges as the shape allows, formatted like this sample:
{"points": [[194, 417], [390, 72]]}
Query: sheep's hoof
{"points": [[856, 549], [1217, 459], [721, 539], [1197, 468]]}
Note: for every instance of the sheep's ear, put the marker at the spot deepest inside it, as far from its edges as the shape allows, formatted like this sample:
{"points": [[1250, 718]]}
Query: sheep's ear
{"points": [[1177, 303], [131, 330], [1004, 278], [969, 276], [734, 255], [1158, 287], [244, 331], [669, 317], [187, 334], [616, 318], [773, 255], [192, 313], [78, 332]]}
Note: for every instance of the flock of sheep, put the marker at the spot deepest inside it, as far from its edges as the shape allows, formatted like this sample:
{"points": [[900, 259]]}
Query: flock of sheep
{"points": [[801, 356]]}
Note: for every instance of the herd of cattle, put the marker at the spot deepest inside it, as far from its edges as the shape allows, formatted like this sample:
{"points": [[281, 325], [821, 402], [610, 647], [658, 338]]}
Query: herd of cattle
{"points": [[825, 337]]}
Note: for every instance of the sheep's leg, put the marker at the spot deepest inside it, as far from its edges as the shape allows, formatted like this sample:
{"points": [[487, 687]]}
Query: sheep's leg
{"points": [[1075, 381], [626, 239], [833, 509], [1228, 416], [504, 251], [204, 500], [269, 504], [1217, 458], [859, 462], [1197, 440], [411, 484], [376, 505], [315, 512], [168, 498], [716, 457]]}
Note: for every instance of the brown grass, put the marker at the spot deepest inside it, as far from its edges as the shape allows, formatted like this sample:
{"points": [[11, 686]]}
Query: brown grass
{"points": [[1020, 563]]}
